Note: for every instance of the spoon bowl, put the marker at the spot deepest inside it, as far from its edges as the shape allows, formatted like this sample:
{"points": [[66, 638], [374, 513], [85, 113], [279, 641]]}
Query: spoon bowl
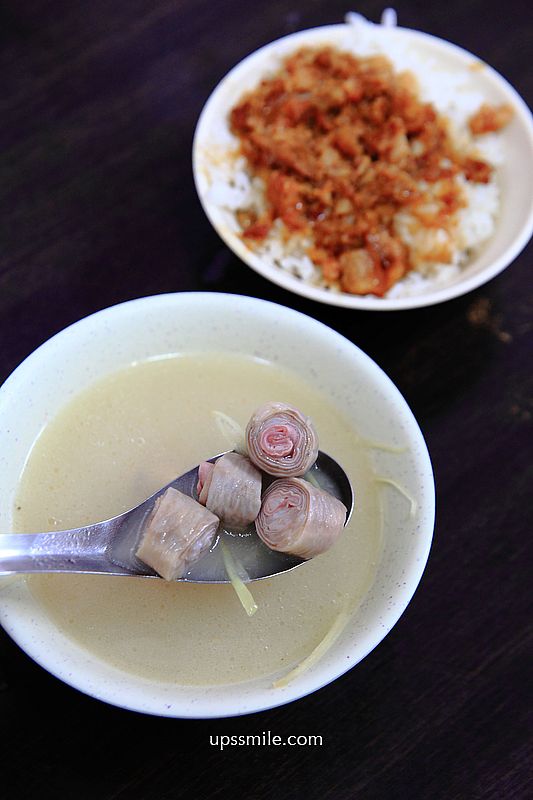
{"points": [[109, 547]]}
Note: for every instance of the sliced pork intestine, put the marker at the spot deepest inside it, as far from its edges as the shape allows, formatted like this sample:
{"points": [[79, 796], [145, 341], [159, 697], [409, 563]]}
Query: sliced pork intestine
{"points": [[298, 518], [178, 532], [281, 440], [230, 488]]}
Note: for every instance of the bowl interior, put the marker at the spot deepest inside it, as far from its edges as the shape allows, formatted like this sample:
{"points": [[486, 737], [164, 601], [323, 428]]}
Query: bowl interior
{"points": [[111, 339], [514, 225]]}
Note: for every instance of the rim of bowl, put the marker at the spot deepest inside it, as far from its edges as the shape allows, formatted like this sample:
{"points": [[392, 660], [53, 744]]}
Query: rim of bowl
{"points": [[131, 699], [368, 302]]}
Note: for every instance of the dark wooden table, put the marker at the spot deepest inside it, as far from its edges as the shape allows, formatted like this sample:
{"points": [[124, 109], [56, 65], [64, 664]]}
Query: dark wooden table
{"points": [[98, 106]]}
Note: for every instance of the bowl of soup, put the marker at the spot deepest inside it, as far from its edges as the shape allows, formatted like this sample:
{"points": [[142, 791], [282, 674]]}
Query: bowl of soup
{"points": [[123, 401]]}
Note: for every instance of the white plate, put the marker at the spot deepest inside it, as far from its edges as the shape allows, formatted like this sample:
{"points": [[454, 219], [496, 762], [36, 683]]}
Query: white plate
{"points": [[213, 142]]}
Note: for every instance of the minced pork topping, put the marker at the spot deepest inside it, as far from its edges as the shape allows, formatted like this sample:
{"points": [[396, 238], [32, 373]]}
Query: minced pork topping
{"points": [[343, 145]]}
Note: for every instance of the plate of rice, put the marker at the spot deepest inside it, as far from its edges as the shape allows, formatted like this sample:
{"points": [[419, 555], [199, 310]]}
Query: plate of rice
{"points": [[367, 166]]}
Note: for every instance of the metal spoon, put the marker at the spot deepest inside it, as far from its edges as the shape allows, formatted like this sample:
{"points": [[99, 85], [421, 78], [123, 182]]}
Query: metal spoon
{"points": [[108, 547]]}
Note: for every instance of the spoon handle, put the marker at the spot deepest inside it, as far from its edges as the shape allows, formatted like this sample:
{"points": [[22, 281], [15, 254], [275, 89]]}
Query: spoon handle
{"points": [[76, 550]]}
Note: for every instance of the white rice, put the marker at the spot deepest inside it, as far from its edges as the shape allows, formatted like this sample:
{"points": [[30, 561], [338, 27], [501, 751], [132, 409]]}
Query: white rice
{"points": [[232, 187]]}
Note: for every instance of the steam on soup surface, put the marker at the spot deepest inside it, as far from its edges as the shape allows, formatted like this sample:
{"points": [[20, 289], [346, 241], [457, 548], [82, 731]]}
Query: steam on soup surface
{"points": [[128, 435]]}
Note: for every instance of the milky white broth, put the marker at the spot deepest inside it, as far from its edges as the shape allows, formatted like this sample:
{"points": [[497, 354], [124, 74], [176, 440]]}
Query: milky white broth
{"points": [[131, 433]]}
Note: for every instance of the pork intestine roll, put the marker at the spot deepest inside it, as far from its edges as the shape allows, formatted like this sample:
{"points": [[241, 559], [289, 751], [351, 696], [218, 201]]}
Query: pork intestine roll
{"points": [[178, 532], [281, 440], [230, 488], [298, 518]]}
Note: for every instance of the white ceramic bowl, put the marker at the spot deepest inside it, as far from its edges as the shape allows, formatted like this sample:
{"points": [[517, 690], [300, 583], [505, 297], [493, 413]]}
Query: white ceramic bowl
{"points": [[189, 322], [473, 81]]}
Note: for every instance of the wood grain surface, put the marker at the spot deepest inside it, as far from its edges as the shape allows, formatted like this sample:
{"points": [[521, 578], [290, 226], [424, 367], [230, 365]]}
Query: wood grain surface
{"points": [[98, 106]]}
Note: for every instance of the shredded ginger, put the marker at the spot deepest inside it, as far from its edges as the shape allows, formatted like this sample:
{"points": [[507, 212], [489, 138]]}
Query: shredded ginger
{"points": [[238, 577]]}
